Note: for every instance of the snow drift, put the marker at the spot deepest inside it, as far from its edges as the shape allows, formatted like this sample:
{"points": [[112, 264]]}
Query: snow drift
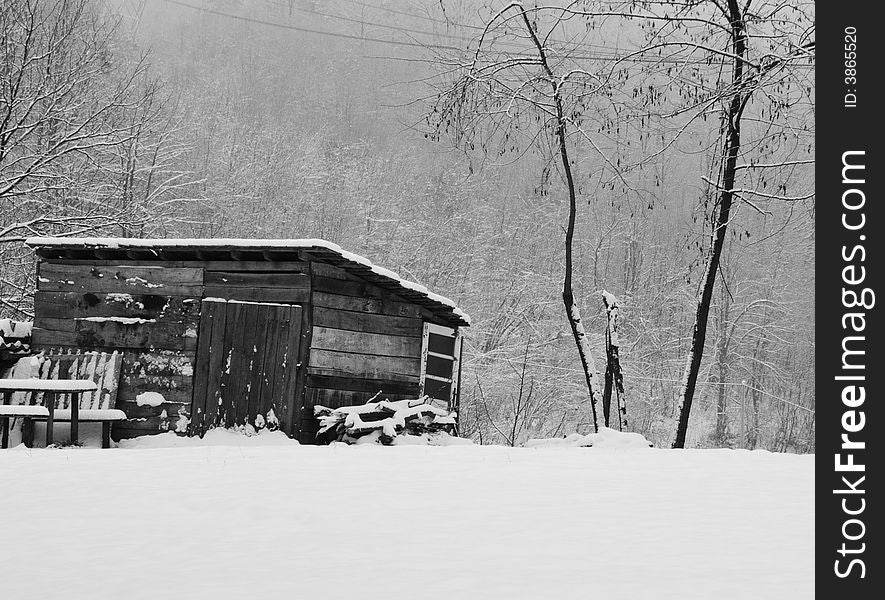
{"points": [[255, 520]]}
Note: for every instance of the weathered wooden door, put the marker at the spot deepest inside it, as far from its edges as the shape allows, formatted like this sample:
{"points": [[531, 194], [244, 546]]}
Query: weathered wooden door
{"points": [[246, 366]]}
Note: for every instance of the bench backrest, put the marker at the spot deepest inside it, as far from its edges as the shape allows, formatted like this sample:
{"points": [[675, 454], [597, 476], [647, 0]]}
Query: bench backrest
{"points": [[101, 367]]}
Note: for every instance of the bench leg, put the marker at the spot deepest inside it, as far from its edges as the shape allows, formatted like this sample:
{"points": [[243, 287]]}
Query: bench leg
{"points": [[28, 432], [75, 418], [106, 434], [50, 422], [4, 422]]}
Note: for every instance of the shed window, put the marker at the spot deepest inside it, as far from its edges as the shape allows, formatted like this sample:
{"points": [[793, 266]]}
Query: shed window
{"points": [[440, 353]]}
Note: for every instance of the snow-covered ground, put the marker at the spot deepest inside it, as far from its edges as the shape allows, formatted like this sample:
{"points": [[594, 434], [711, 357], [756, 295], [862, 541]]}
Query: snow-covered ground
{"points": [[260, 517]]}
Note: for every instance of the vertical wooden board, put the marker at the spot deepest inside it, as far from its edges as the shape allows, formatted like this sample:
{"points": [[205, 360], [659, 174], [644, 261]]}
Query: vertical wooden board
{"points": [[280, 402], [209, 312], [217, 356], [425, 338], [291, 361], [305, 341], [257, 375], [272, 341], [231, 384], [249, 363], [455, 403]]}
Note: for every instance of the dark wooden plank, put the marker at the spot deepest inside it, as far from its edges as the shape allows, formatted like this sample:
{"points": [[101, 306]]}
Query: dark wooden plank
{"points": [[114, 334], [75, 418], [383, 305], [347, 287], [135, 411], [301, 366], [321, 269], [338, 398], [161, 367], [209, 265], [120, 279], [360, 283], [47, 338], [280, 380], [248, 351], [150, 425], [70, 305], [119, 432], [231, 384], [208, 314], [245, 294], [257, 280], [365, 365], [217, 360], [359, 288], [293, 351], [369, 323], [379, 344], [316, 379], [257, 375], [269, 364]]}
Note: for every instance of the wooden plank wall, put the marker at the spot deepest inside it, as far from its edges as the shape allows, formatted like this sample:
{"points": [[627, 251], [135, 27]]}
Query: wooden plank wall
{"points": [[357, 338], [157, 312], [365, 340], [246, 365], [159, 351]]}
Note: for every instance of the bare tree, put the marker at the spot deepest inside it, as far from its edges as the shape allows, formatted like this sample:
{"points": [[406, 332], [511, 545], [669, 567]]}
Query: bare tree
{"points": [[86, 144], [513, 101], [742, 63], [734, 64]]}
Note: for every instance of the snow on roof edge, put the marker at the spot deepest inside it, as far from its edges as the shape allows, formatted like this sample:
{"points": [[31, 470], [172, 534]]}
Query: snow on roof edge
{"points": [[276, 244]]}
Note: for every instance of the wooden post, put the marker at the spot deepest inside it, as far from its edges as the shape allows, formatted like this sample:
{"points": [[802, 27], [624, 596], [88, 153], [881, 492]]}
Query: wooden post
{"points": [[7, 396], [75, 417], [50, 406], [106, 434], [456, 430], [28, 432]]}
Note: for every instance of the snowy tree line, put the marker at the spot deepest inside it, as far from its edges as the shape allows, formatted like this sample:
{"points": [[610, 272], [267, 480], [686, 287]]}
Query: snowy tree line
{"points": [[212, 125]]}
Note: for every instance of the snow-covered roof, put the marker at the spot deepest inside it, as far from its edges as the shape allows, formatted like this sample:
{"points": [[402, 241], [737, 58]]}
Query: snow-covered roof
{"points": [[269, 249]]}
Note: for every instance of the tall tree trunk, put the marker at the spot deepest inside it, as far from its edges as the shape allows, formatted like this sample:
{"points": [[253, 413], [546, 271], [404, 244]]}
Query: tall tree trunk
{"points": [[730, 152], [568, 296], [720, 435], [614, 378]]}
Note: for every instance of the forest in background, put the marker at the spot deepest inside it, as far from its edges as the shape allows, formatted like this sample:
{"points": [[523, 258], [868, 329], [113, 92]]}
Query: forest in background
{"points": [[222, 124]]}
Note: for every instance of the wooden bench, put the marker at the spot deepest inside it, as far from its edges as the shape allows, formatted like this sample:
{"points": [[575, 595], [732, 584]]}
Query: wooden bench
{"points": [[81, 388], [31, 412], [24, 412]]}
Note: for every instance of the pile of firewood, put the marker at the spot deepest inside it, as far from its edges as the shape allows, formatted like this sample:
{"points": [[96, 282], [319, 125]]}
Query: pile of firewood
{"points": [[383, 421], [15, 339]]}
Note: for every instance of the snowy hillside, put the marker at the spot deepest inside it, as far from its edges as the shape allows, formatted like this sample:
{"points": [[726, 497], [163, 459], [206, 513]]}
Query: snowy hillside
{"points": [[262, 518]]}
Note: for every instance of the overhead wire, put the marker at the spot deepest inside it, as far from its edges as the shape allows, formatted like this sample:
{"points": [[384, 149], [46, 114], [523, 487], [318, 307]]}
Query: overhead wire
{"points": [[600, 56]]}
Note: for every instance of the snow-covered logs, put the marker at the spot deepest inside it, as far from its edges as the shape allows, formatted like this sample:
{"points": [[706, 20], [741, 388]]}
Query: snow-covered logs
{"points": [[384, 421], [15, 338]]}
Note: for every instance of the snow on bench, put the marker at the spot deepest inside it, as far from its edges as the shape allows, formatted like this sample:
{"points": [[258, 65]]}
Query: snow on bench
{"points": [[47, 385], [90, 415], [75, 386], [23, 410]]}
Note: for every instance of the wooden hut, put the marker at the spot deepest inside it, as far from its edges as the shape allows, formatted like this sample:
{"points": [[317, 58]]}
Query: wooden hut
{"points": [[249, 333]]}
